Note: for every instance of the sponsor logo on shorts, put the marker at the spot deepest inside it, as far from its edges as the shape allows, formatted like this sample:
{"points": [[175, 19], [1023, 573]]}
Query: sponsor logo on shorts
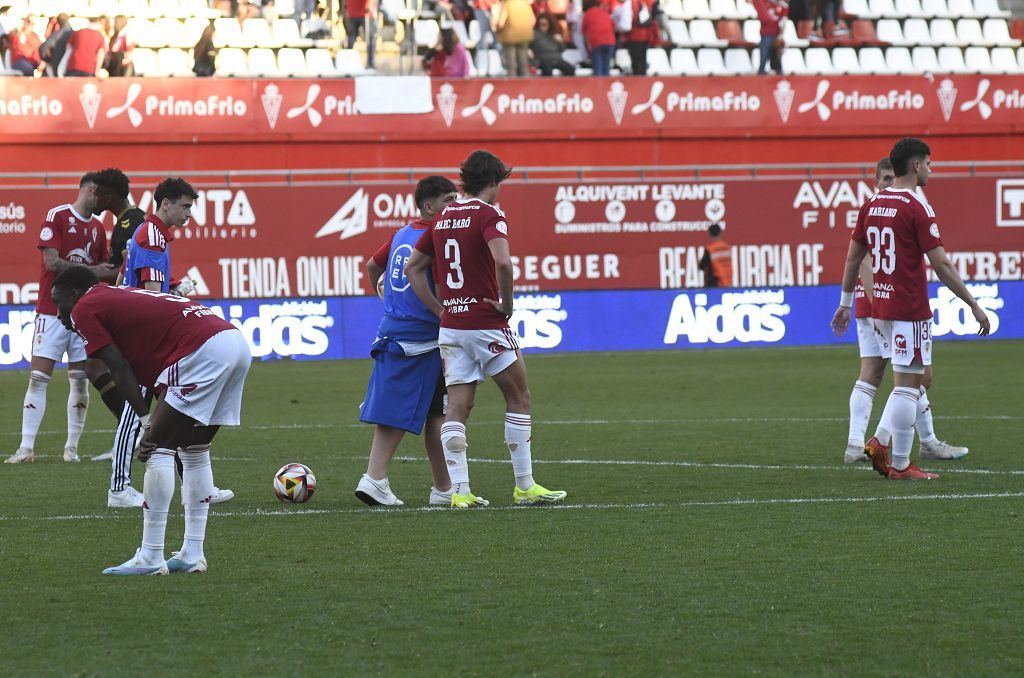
{"points": [[496, 347], [180, 392], [900, 342]]}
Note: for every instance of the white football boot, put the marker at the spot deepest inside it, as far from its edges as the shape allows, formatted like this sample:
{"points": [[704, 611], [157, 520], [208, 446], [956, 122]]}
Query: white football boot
{"points": [[220, 496], [439, 498], [854, 453], [136, 566], [940, 449], [71, 454], [22, 456]]}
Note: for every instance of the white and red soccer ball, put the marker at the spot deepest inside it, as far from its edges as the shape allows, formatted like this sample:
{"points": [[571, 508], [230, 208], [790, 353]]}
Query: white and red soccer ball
{"points": [[294, 483]]}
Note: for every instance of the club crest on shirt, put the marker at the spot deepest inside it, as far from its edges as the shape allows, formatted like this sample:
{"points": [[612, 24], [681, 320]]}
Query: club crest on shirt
{"points": [[46, 233], [503, 227], [934, 230]]}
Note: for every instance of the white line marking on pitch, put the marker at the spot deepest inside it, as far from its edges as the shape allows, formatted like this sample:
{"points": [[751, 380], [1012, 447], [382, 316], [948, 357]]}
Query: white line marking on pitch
{"points": [[260, 513]]}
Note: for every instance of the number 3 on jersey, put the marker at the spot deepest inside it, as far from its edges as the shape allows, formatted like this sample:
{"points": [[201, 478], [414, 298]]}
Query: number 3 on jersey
{"points": [[883, 249], [454, 257]]}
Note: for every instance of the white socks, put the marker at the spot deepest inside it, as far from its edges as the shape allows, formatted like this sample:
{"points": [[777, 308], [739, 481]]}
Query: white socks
{"points": [[78, 406], [196, 488], [158, 490], [453, 440], [900, 413], [925, 426], [861, 401], [35, 406], [517, 437]]}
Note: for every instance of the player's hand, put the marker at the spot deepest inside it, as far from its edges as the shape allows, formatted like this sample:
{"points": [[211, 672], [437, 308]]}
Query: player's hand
{"points": [[983, 321], [501, 307], [146, 446], [841, 321]]}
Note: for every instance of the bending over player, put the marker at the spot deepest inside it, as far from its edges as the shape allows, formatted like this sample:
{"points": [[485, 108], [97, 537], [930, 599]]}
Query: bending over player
{"points": [[469, 240], [872, 368], [406, 390], [897, 227], [198, 362]]}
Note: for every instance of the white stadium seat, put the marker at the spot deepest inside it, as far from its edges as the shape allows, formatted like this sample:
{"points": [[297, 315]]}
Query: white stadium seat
{"points": [[287, 33], [925, 60], [915, 32], [348, 62], [844, 60], [494, 64], [859, 8], [144, 33], [978, 60], [883, 8], [737, 62], [174, 62], [192, 31], [658, 63], [968, 31], [171, 33], [897, 60], [752, 31], [144, 61], [709, 61], [998, 34], [790, 36], [745, 10], [702, 32], [909, 8], [935, 9], [872, 60], [684, 61], [257, 32], [1004, 61], [673, 9], [426, 32], [991, 8], [291, 62], [961, 8], [319, 63], [889, 30], [944, 32], [724, 9], [792, 62], [818, 61], [951, 60], [227, 32], [697, 9], [262, 62], [463, 34], [678, 34], [231, 61]]}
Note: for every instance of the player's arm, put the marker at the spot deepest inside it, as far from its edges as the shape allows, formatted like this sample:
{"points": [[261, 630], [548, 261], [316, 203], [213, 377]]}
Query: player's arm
{"points": [[854, 257], [125, 379], [503, 270], [947, 273], [54, 264], [416, 270], [867, 277], [374, 273]]}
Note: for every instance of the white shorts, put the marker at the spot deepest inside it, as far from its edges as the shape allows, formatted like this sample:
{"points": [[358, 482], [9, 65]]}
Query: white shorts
{"points": [[908, 344], [872, 343], [207, 384], [52, 340], [470, 355]]}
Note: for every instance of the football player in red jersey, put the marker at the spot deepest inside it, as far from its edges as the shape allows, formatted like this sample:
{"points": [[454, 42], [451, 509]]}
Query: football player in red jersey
{"points": [[468, 247], [897, 227], [69, 236], [197, 361], [872, 368]]}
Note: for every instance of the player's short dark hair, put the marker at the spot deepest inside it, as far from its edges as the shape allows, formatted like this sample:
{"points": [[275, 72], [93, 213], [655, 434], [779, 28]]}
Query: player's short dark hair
{"points": [[715, 230], [905, 152], [172, 188], [89, 178], [480, 170], [432, 187], [883, 165], [113, 179], [76, 278]]}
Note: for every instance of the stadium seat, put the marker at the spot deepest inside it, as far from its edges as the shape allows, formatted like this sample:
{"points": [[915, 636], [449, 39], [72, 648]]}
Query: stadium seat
{"points": [[724, 9], [897, 60], [677, 33], [859, 9], [494, 64], [915, 32], [144, 61], [738, 62], [262, 63], [257, 32], [169, 33], [951, 60], [139, 8], [426, 32], [934, 9], [319, 63], [684, 62], [702, 32], [192, 31], [348, 62], [291, 62], [791, 38], [968, 32], [889, 31], [909, 8], [673, 9], [228, 33], [286, 32], [925, 60], [463, 35], [745, 10], [844, 60], [752, 31], [997, 33], [872, 60], [201, 9], [990, 8], [621, 61], [978, 60], [231, 62], [1004, 61], [883, 8], [961, 8], [862, 33], [729, 30], [165, 8], [174, 62], [697, 9], [709, 61], [573, 56], [943, 32], [818, 60], [658, 63], [285, 8]]}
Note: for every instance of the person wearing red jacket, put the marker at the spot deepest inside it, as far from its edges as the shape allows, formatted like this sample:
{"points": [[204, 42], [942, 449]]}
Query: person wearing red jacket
{"points": [[24, 47], [772, 14], [599, 35], [644, 34]]}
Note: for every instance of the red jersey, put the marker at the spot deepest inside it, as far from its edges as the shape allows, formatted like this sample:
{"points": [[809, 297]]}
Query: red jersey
{"points": [[78, 239], [463, 265], [897, 227], [152, 330], [85, 47]]}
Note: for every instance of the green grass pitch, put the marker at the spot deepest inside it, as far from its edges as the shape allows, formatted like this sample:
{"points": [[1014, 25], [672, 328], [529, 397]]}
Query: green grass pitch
{"points": [[711, 529]]}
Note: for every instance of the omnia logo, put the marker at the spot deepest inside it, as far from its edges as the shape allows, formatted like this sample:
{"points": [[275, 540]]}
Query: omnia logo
{"points": [[389, 211], [751, 316], [349, 220]]}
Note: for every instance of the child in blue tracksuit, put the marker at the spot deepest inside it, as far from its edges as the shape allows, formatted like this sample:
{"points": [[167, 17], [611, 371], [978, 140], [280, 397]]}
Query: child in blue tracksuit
{"points": [[406, 389]]}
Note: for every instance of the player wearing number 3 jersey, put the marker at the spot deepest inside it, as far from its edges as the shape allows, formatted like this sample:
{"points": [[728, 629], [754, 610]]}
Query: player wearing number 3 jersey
{"points": [[896, 228], [468, 246]]}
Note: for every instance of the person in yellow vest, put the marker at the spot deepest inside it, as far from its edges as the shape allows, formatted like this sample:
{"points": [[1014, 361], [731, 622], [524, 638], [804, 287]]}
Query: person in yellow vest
{"points": [[717, 260]]}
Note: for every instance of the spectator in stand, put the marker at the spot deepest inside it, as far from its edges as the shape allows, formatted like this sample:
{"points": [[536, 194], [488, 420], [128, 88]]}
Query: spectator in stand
{"points": [[7, 25], [88, 47], [317, 27], [305, 9], [362, 15], [450, 59], [547, 47], [205, 54], [119, 52], [488, 41], [268, 10], [24, 47], [643, 35], [772, 14], [574, 18], [58, 33], [599, 35], [514, 28]]}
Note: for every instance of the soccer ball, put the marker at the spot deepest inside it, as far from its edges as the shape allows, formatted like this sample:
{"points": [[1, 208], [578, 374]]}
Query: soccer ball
{"points": [[294, 483]]}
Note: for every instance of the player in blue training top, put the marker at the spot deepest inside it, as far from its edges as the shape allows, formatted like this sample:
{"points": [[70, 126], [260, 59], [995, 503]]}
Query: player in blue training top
{"points": [[406, 389]]}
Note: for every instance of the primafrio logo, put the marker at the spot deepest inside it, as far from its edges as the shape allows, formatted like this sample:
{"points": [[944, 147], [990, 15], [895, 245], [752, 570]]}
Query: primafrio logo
{"points": [[134, 116], [332, 106], [481, 106], [657, 112], [1007, 99]]}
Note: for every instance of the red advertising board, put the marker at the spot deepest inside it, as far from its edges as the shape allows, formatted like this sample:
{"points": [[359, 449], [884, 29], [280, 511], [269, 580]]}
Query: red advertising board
{"points": [[278, 241], [281, 110]]}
